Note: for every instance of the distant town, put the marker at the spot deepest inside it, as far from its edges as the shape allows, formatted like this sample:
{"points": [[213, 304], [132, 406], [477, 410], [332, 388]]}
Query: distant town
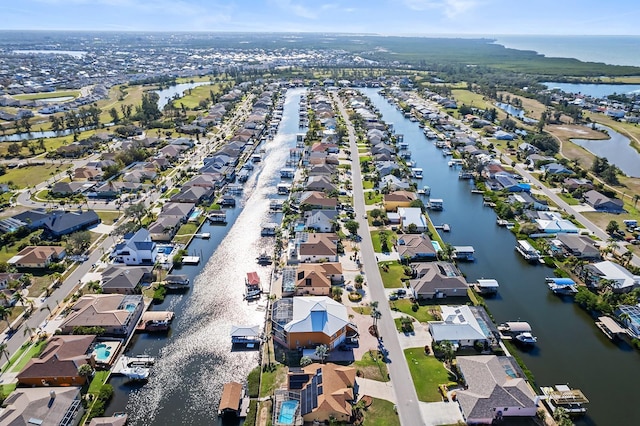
{"points": [[311, 234]]}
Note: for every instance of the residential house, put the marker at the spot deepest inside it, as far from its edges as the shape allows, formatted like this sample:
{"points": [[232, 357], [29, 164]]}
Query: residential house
{"points": [[193, 194], [571, 184], [553, 223], [556, 169], [37, 257], [181, 210], [459, 326], [58, 363], [306, 322], [318, 247], [87, 173], [629, 315], [316, 279], [120, 279], [59, 224], [53, 405], [505, 181], [322, 220], [165, 228], [528, 201], [64, 189], [436, 280], [117, 314], [396, 199], [412, 216], [317, 200], [326, 392], [136, 249], [617, 276], [415, 247], [602, 203], [8, 277], [580, 246], [495, 390], [320, 183], [392, 183]]}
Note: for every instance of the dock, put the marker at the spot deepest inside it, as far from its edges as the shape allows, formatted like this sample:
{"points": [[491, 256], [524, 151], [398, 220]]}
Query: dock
{"points": [[154, 317], [444, 227], [610, 327], [218, 217]]}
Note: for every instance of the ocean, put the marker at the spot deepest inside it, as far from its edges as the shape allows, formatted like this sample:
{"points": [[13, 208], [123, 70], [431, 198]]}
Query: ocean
{"points": [[613, 50]]}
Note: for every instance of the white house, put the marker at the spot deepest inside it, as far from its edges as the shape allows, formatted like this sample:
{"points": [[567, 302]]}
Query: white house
{"points": [[621, 279], [409, 215], [458, 326], [136, 249], [322, 220]]}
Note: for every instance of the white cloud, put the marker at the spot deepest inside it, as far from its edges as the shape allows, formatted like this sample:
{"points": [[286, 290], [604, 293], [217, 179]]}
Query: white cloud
{"points": [[295, 8], [450, 8]]}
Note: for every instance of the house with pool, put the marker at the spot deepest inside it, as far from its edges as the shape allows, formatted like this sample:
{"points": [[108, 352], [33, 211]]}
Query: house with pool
{"points": [[117, 314], [316, 393], [136, 249]]}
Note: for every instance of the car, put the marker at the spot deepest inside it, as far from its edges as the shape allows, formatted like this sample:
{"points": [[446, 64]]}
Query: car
{"points": [[401, 292], [393, 296], [349, 288]]}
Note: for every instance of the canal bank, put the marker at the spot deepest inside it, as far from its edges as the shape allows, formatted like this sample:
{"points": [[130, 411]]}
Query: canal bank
{"points": [[570, 348], [194, 359]]}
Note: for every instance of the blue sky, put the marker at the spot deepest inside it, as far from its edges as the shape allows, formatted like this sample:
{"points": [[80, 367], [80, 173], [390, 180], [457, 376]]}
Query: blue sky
{"points": [[395, 17]]}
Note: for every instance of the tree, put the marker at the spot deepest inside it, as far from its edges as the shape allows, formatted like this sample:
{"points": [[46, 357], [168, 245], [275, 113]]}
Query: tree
{"points": [[375, 314], [305, 360], [352, 226], [561, 417], [612, 227], [4, 351], [14, 149], [113, 112], [78, 242], [5, 313], [336, 293], [85, 370], [321, 352], [136, 211]]}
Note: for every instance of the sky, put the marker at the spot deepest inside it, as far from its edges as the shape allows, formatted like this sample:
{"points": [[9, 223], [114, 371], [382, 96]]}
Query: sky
{"points": [[387, 17]]}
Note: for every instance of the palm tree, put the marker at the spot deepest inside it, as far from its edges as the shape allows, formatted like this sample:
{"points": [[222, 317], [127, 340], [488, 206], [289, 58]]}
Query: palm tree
{"points": [[4, 351], [5, 313], [29, 330], [85, 370], [321, 352]]}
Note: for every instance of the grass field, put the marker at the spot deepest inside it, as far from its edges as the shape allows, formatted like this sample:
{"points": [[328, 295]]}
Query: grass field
{"points": [[99, 379], [427, 373], [33, 350], [464, 96], [392, 274], [48, 95], [108, 217], [192, 100], [372, 366], [381, 413], [29, 176], [423, 314]]}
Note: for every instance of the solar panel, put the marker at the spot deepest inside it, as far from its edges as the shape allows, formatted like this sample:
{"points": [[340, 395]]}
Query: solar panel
{"points": [[319, 390]]}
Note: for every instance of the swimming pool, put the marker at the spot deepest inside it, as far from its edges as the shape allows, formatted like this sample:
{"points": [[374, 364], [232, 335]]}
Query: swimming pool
{"points": [[194, 215], [130, 307], [165, 249], [288, 412], [436, 245], [102, 352]]}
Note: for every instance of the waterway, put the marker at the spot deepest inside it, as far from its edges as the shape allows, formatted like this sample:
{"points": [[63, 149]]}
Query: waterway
{"points": [[617, 150], [570, 348], [17, 137], [595, 90], [194, 360], [178, 89]]}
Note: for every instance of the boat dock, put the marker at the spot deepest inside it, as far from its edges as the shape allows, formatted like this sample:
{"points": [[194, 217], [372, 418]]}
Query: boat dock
{"points": [[234, 400], [219, 216], [204, 235], [610, 328], [486, 287], [154, 317], [444, 227]]}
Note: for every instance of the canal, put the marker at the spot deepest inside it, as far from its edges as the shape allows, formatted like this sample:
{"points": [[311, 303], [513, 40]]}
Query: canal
{"points": [[194, 360], [570, 348]]}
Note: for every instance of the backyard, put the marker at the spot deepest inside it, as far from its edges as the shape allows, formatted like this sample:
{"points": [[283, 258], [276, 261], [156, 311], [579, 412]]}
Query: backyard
{"points": [[427, 373], [424, 313], [392, 274], [381, 413]]}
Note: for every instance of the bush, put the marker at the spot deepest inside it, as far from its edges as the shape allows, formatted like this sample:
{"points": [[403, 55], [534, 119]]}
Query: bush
{"points": [[253, 382]]}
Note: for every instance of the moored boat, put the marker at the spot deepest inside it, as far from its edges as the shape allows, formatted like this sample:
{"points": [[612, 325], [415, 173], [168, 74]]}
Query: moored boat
{"points": [[562, 286], [136, 373], [264, 259], [562, 396]]}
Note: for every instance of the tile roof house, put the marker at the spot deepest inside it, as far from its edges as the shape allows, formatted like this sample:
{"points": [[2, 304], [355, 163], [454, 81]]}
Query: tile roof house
{"points": [[164, 228], [311, 321], [193, 194], [603, 203], [42, 406], [415, 247], [320, 183], [117, 314], [436, 280], [396, 199], [136, 249], [58, 363], [495, 390], [37, 256], [120, 279], [392, 183], [326, 391], [316, 279], [319, 246], [318, 200]]}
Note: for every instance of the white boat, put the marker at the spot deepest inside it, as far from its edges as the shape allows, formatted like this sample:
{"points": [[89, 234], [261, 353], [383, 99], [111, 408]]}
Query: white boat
{"points": [[416, 172], [528, 251], [136, 373], [563, 396], [426, 190], [526, 338]]}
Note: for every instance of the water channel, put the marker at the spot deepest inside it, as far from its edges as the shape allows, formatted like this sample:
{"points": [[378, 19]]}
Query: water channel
{"points": [[177, 89], [570, 348], [594, 89], [617, 150], [195, 359]]}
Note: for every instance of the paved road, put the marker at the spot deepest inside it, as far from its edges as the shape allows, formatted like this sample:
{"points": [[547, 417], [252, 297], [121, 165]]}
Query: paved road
{"points": [[405, 393]]}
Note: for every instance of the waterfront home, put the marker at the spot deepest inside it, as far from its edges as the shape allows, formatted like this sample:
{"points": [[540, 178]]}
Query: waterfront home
{"points": [[553, 223], [392, 183], [317, 200], [121, 279], [136, 249], [193, 194], [580, 246], [118, 315], [385, 168], [318, 247], [320, 183], [54, 405], [319, 393], [205, 180], [412, 216], [459, 326], [59, 362], [415, 247], [602, 203], [306, 322], [528, 201], [490, 170], [316, 279], [611, 273], [322, 170], [322, 220], [164, 228], [396, 199], [629, 315], [436, 280], [37, 257], [495, 390], [180, 210], [507, 182]]}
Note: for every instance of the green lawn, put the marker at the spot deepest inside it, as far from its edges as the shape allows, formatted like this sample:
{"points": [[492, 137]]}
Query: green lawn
{"points": [[48, 95], [367, 184], [427, 373], [30, 352], [6, 389], [381, 413], [99, 379], [423, 314], [363, 310], [370, 198], [108, 217], [372, 366], [569, 199], [392, 274], [192, 100], [269, 380], [24, 177], [10, 250]]}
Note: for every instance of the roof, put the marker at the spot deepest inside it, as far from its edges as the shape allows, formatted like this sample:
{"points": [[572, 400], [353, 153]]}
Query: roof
{"points": [[436, 276], [317, 314], [63, 223], [618, 274], [319, 244], [492, 383], [413, 245], [326, 388], [36, 255], [458, 323], [119, 420], [100, 310], [231, 395], [122, 276], [34, 405], [253, 278], [244, 331]]}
